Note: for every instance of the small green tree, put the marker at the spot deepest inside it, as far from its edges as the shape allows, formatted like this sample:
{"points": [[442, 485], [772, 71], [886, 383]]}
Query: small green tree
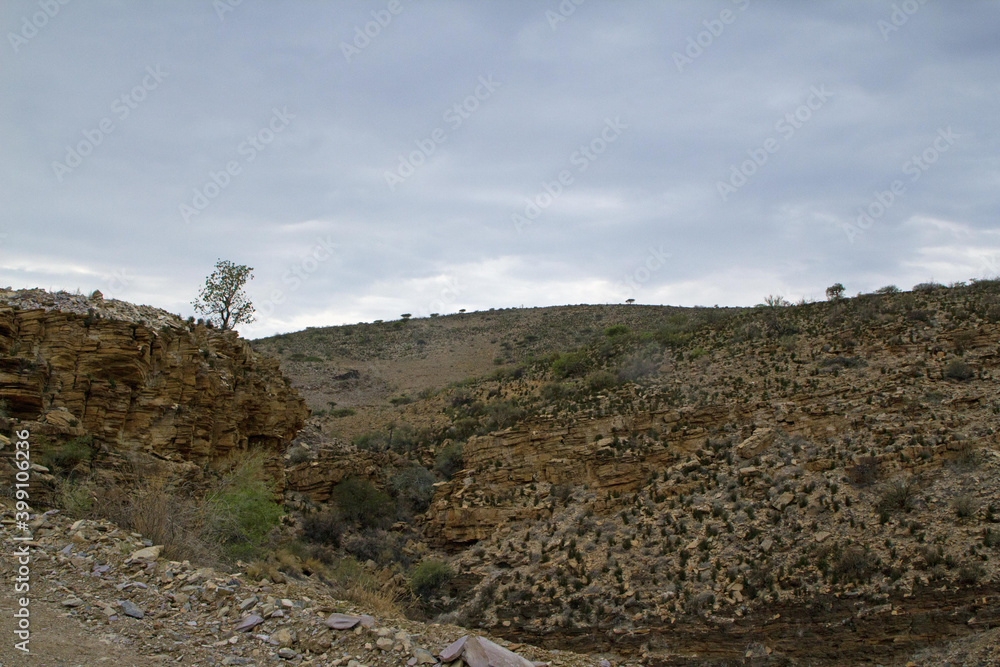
{"points": [[223, 299], [835, 291], [429, 577]]}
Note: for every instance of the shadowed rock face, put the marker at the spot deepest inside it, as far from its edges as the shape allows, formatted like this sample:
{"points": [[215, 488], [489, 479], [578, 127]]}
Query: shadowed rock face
{"points": [[179, 394]]}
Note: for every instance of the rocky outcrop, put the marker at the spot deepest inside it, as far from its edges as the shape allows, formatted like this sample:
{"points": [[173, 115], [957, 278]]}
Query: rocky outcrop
{"points": [[178, 392], [598, 453]]}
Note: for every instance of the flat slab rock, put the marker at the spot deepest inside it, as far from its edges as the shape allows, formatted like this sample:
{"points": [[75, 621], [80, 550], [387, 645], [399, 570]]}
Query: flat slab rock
{"points": [[131, 609], [248, 623], [481, 652], [348, 621]]}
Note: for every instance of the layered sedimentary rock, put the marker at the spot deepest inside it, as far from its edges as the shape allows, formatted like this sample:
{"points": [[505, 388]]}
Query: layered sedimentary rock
{"points": [[178, 392], [593, 452]]}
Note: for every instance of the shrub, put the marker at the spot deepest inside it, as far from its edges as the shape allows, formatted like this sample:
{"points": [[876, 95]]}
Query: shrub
{"points": [[464, 427], [959, 370], [298, 455], [927, 287], [970, 574], [636, 367], [991, 538], [672, 337], [429, 577], [326, 527], [342, 412], [570, 364], [933, 556], [413, 487], [553, 391], [616, 330], [242, 510], [855, 564], [374, 441], [501, 414], [964, 506], [888, 289], [449, 460], [377, 545], [362, 504], [601, 380], [864, 472], [835, 291], [900, 494], [841, 362], [63, 458]]}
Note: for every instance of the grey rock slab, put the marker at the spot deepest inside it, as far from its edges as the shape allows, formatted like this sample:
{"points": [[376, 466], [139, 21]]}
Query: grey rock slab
{"points": [[342, 621], [248, 623], [131, 609]]}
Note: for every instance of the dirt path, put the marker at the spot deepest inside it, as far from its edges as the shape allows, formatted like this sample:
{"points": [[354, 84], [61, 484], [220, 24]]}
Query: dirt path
{"points": [[58, 640]]}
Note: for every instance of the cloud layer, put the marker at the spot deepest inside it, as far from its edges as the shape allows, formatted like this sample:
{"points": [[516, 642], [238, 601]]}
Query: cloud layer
{"points": [[375, 158]]}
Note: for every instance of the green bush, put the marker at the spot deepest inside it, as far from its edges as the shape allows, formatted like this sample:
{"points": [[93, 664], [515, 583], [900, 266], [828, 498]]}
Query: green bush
{"points": [[374, 441], [900, 494], [553, 391], [361, 503], [63, 458], [855, 564], [326, 527], [601, 380], [673, 337], [342, 412], [959, 370], [429, 577], [616, 330], [242, 510], [570, 364], [413, 487], [378, 545], [501, 414], [449, 460]]}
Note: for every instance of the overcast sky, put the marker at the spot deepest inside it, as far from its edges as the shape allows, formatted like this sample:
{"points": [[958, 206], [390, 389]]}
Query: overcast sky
{"points": [[375, 158]]}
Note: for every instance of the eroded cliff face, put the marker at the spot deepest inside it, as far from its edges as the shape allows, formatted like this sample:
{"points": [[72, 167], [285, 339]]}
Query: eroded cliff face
{"points": [[180, 393], [590, 452]]}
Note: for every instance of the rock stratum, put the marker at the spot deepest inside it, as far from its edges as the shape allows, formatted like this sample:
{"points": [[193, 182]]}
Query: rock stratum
{"points": [[139, 380]]}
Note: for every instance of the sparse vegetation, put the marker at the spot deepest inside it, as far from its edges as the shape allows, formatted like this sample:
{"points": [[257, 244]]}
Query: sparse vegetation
{"points": [[429, 577]]}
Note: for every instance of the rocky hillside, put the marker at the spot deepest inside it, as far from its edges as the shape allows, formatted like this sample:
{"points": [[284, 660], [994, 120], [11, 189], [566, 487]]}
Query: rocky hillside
{"points": [[99, 594], [811, 484], [106, 380]]}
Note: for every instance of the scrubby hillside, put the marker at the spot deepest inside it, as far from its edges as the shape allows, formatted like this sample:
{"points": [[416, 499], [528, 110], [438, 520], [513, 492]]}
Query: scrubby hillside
{"points": [[813, 483]]}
